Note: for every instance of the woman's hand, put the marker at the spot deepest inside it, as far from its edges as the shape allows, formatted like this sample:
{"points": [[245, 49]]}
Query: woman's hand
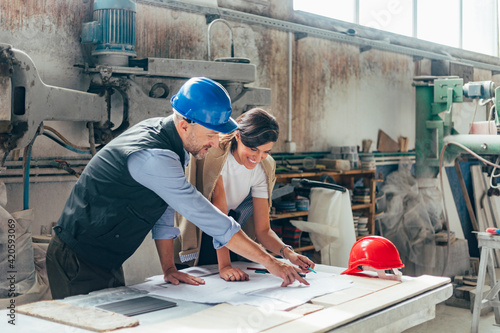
{"points": [[285, 271], [229, 273], [173, 276], [302, 261]]}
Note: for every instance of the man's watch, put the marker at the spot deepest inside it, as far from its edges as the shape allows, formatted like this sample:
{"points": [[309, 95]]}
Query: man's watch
{"points": [[283, 249]]}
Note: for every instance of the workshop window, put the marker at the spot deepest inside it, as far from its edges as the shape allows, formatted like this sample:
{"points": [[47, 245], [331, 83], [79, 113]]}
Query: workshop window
{"points": [[389, 15], [344, 10], [480, 31], [468, 24], [439, 21]]}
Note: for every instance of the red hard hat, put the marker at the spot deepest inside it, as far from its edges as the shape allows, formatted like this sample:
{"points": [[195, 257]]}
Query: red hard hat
{"points": [[375, 251]]}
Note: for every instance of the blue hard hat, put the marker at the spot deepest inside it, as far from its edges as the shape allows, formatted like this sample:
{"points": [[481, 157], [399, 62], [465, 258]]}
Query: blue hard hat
{"points": [[205, 102]]}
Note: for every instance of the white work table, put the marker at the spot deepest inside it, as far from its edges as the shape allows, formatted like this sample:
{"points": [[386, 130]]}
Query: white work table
{"points": [[370, 304]]}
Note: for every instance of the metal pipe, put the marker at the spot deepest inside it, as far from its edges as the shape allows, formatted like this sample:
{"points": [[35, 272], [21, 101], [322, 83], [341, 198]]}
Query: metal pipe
{"points": [[39, 172], [479, 144], [230, 36], [42, 162], [41, 179]]}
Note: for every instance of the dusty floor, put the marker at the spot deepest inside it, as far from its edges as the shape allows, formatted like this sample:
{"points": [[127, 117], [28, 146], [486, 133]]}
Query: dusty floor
{"points": [[456, 320]]}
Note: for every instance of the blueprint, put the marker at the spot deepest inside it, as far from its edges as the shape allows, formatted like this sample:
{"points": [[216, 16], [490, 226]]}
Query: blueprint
{"points": [[263, 290]]}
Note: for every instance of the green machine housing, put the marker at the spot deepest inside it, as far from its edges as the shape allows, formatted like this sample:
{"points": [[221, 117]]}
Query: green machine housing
{"points": [[434, 122]]}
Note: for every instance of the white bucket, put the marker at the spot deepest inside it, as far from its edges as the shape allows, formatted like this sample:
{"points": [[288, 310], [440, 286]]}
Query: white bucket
{"points": [[484, 127]]}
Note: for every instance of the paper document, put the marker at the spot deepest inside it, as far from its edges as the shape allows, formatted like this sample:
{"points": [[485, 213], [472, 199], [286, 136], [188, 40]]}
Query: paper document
{"points": [[262, 290]]}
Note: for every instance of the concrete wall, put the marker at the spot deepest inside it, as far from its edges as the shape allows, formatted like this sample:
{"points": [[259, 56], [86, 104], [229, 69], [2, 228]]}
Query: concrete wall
{"points": [[340, 94]]}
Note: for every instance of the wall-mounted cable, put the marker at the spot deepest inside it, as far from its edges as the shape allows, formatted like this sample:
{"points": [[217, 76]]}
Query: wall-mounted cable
{"points": [[63, 139], [26, 173], [65, 145]]}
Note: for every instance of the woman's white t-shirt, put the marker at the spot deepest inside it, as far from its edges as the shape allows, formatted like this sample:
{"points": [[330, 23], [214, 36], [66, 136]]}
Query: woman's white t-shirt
{"points": [[238, 180]]}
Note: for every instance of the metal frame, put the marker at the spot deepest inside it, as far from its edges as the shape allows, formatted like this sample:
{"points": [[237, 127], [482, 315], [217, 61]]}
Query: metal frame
{"points": [[487, 243]]}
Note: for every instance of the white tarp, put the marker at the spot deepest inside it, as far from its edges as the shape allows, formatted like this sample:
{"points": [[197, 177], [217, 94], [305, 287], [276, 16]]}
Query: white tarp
{"points": [[330, 225]]}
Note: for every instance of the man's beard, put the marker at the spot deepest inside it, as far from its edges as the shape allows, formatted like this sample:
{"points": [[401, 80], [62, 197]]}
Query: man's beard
{"points": [[199, 155], [195, 150]]}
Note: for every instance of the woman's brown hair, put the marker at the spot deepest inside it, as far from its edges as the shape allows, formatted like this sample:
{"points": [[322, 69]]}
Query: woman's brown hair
{"points": [[256, 127]]}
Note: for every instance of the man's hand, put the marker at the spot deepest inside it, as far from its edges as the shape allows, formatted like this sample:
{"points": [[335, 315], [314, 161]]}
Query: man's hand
{"points": [[173, 276], [285, 271], [229, 273], [165, 249]]}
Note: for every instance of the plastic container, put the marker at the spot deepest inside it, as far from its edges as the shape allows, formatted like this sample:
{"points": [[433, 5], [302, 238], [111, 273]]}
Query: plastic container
{"points": [[302, 204]]}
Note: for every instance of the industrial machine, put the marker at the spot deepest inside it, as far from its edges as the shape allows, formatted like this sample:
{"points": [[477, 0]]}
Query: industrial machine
{"points": [[120, 84], [415, 216], [434, 122]]}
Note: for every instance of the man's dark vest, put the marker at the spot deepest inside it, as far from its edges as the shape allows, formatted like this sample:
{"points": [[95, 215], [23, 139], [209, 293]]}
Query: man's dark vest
{"points": [[108, 214]]}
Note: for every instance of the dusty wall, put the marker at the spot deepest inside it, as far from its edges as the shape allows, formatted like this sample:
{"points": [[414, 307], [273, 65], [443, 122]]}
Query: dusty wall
{"points": [[340, 95]]}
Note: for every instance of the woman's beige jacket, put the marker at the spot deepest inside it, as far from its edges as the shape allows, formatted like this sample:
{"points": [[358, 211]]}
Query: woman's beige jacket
{"points": [[203, 174]]}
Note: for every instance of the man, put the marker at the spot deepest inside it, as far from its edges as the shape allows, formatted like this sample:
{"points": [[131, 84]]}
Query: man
{"points": [[133, 185]]}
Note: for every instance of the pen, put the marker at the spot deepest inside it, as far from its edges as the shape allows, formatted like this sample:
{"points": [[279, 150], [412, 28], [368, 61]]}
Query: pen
{"points": [[309, 268], [258, 269]]}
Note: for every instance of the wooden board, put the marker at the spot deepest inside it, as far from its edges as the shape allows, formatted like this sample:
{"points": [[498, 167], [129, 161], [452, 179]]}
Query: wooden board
{"points": [[306, 309], [344, 313], [361, 286], [222, 318], [385, 143], [72, 315], [478, 190]]}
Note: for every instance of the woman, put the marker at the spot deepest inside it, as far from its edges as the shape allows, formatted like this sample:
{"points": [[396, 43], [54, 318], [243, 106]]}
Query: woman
{"points": [[238, 177]]}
